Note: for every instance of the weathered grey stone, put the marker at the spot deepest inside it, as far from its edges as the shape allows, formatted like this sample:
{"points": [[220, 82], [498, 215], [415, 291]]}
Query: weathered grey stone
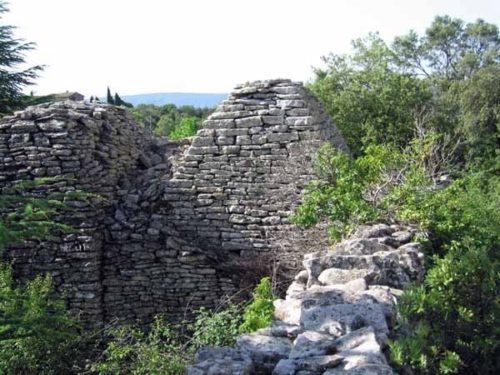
{"points": [[332, 276], [372, 231], [394, 268], [360, 348], [221, 361], [351, 316], [302, 277], [311, 344], [311, 365], [288, 311], [295, 290], [362, 370], [249, 122], [265, 351], [360, 247], [339, 328]]}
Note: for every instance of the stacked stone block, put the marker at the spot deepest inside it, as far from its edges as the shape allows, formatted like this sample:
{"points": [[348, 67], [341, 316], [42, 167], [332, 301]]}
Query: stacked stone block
{"points": [[246, 169], [88, 148]]}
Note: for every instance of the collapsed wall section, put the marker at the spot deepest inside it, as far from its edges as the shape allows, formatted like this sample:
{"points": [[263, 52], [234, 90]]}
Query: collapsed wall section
{"points": [[122, 258], [163, 238]]}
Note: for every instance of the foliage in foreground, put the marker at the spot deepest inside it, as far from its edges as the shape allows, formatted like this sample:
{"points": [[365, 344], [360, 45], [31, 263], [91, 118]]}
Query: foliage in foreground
{"points": [[37, 335], [259, 312], [451, 322], [132, 351], [216, 328]]}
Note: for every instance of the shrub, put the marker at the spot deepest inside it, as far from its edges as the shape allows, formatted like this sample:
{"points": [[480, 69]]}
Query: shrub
{"points": [[132, 351], [216, 328], [347, 191], [450, 323], [259, 312], [37, 334]]}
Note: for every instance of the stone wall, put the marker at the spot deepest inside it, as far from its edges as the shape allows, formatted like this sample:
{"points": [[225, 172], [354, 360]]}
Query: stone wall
{"points": [[171, 228], [244, 173], [89, 148]]}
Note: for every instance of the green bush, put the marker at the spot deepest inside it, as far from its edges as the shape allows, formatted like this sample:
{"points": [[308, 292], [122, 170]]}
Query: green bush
{"points": [[37, 335], [450, 323], [347, 191], [259, 312], [216, 328], [130, 350]]}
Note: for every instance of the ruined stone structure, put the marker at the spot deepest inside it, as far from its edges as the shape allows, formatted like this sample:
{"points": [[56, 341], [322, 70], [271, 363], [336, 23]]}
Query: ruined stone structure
{"points": [[168, 222]]}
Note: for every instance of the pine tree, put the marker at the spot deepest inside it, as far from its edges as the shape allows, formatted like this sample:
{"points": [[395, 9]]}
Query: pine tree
{"points": [[12, 81], [110, 99]]}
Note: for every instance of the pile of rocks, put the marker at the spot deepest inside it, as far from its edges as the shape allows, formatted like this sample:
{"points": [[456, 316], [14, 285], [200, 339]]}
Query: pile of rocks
{"points": [[337, 314]]}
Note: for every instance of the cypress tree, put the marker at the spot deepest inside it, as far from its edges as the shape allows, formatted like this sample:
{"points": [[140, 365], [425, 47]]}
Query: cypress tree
{"points": [[118, 100], [110, 99]]}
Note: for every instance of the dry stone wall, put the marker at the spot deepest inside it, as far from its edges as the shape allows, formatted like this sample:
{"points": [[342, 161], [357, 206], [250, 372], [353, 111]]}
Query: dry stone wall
{"points": [[169, 222], [89, 148], [245, 171]]}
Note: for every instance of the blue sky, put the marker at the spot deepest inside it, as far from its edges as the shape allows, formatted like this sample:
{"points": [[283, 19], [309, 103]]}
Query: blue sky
{"points": [[207, 45]]}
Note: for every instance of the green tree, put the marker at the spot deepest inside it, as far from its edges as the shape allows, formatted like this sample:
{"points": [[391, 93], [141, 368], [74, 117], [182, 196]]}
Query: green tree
{"points": [[423, 108], [12, 79], [368, 99], [450, 49], [147, 115], [186, 128], [443, 81], [480, 105], [449, 324]]}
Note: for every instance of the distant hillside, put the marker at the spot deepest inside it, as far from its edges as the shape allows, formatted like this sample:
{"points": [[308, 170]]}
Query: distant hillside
{"points": [[177, 98]]}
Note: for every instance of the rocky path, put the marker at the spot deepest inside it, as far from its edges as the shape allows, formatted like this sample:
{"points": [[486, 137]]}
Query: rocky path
{"points": [[337, 314]]}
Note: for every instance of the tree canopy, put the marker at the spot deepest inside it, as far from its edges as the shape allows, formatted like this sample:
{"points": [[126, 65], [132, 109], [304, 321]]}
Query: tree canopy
{"points": [[13, 78], [445, 81]]}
